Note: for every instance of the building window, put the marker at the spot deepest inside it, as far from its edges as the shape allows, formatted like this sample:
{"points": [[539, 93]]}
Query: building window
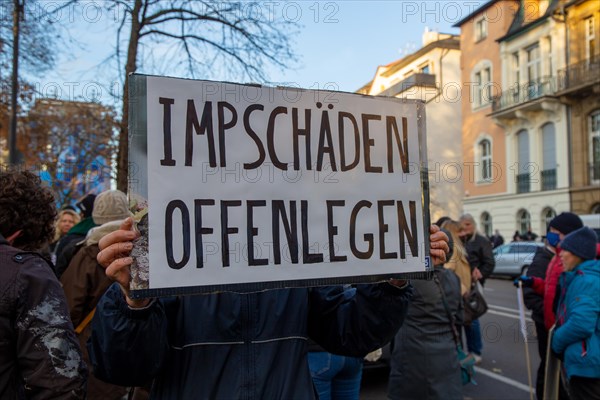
{"points": [[596, 209], [534, 64], [482, 84], [590, 38], [523, 166], [485, 154], [548, 215], [516, 69], [480, 29], [549, 157], [425, 69], [523, 221], [486, 224], [549, 56], [594, 125]]}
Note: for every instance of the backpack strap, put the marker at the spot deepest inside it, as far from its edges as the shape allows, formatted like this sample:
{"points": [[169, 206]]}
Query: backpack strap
{"points": [[85, 322], [451, 319]]}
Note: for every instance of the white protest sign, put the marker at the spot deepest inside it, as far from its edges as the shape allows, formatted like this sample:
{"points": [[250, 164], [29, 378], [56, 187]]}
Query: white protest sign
{"points": [[276, 187]]}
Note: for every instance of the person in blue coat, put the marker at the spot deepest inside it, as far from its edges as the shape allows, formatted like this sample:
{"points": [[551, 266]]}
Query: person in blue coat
{"points": [[577, 334], [235, 345]]}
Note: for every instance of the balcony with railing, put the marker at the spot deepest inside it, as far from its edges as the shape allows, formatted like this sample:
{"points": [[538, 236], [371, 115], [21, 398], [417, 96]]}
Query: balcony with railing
{"points": [[580, 76], [412, 82], [523, 183], [524, 95], [549, 179]]}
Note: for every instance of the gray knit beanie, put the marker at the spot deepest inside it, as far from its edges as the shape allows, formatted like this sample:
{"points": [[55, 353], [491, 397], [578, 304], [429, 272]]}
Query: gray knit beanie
{"points": [[111, 205]]}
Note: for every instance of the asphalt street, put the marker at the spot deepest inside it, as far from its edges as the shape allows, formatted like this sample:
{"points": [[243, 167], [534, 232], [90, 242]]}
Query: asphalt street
{"points": [[503, 371]]}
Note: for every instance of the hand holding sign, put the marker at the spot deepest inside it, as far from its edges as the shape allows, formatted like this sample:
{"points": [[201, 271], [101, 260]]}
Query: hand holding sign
{"points": [[252, 188], [116, 247], [114, 257], [439, 245]]}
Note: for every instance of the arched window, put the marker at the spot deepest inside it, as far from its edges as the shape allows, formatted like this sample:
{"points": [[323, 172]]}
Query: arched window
{"points": [[548, 215], [549, 157], [594, 127], [596, 208], [523, 221], [523, 177], [486, 223], [485, 152]]}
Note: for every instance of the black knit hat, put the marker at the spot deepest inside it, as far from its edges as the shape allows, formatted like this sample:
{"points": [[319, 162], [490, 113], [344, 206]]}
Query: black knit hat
{"points": [[581, 242], [566, 222], [86, 205]]}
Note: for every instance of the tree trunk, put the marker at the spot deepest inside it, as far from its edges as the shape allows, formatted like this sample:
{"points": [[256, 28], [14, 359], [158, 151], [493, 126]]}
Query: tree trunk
{"points": [[130, 67]]}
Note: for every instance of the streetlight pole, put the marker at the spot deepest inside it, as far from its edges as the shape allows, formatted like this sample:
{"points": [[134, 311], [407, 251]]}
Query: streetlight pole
{"points": [[12, 140]]}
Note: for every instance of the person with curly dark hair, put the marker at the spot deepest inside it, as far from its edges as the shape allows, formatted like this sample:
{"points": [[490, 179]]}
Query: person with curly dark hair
{"points": [[26, 210], [40, 355]]}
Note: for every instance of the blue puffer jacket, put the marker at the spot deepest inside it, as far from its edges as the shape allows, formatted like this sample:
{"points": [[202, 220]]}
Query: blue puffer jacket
{"points": [[238, 346], [578, 320]]}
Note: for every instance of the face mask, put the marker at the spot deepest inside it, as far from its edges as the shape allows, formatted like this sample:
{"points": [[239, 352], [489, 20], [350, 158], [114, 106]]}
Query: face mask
{"points": [[553, 238]]}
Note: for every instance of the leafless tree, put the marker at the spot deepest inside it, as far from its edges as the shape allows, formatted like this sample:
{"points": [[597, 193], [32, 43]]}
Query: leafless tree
{"points": [[42, 36], [39, 36], [240, 39]]}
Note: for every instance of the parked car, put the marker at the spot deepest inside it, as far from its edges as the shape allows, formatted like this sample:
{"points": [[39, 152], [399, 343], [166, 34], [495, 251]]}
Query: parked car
{"points": [[513, 259]]}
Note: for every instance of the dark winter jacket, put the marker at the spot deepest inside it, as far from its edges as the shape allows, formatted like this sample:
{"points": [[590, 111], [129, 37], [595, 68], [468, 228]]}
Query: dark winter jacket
{"points": [[548, 288], [40, 356], [424, 365], [239, 346], [480, 255], [84, 283], [577, 332], [537, 269], [67, 246]]}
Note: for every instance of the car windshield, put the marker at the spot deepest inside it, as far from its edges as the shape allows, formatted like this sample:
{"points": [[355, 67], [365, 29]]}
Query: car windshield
{"points": [[502, 249], [513, 248]]}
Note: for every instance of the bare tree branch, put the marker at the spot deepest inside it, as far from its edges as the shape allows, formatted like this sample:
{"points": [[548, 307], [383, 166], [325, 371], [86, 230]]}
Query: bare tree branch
{"points": [[210, 36]]}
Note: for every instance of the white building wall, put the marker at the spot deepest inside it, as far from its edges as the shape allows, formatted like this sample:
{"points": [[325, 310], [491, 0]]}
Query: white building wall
{"points": [[444, 127], [444, 139], [504, 209]]}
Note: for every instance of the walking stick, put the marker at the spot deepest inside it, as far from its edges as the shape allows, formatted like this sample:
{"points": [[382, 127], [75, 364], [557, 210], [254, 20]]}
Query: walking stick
{"points": [[524, 333]]}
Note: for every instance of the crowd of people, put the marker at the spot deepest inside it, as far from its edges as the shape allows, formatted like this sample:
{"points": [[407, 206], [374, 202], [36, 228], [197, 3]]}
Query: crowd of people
{"points": [[562, 289], [69, 328]]}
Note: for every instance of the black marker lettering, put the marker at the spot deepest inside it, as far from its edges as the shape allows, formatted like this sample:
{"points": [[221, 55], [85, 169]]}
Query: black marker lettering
{"points": [[252, 231], [168, 151], [185, 224], [223, 126], [368, 142], [254, 136], [200, 230], [368, 236], [333, 230]]}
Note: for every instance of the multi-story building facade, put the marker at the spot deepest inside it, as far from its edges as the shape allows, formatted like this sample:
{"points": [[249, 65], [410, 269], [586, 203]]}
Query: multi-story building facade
{"points": [[535, 122], [72, 145], [484, 143], [579, 89], [432, 74]]}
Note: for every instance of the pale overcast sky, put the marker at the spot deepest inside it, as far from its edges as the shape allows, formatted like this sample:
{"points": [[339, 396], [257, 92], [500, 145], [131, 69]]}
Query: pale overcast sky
{"points": [[340, 44]]}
